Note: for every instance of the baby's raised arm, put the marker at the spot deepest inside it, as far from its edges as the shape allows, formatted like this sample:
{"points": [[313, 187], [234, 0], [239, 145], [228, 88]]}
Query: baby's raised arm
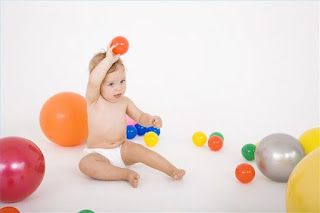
{"points": [[98, 74], [142, 118]]}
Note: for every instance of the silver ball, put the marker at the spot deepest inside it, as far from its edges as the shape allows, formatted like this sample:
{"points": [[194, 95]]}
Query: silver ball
{"points": [[276, 156]]}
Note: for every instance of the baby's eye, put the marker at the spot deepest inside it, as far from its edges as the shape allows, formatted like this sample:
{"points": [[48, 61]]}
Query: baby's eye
{"points": [[110, 84], [122, 81]]}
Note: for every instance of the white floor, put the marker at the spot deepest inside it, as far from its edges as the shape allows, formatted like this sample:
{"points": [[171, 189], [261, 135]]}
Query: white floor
{"points": [[244, 68], [209, 184]]}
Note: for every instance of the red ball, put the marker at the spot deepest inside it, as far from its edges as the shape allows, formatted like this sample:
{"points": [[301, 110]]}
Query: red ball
{"points": [[123, 45], [245, 173], [22, 168], [215, 143]]}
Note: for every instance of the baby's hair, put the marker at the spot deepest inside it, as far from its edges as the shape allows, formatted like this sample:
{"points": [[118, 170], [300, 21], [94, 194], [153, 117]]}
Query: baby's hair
{"points": [[97, 58]]}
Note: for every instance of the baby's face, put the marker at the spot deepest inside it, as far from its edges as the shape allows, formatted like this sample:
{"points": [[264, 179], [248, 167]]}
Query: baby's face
{"points": [[114, 86]]}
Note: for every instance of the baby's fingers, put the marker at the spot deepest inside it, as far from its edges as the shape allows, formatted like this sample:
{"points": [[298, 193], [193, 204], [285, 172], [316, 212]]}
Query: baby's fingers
{"points": [[113, 46], [109, 47], [154, 122], [157, 124]]}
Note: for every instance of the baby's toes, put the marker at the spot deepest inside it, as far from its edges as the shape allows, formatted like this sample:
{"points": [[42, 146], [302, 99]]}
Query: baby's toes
{"points": [[134, 179], [134, 182], [178, 175], [136, 176]]}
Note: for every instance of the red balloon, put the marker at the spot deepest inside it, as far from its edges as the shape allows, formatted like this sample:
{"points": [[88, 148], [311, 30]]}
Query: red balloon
{"points": [[22, 168], [215, 143], [245, 173], [123, 45]]}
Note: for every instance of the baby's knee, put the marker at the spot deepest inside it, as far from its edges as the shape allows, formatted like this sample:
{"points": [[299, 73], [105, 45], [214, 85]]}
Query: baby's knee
{"points": [[84, 163], [83, 166]]}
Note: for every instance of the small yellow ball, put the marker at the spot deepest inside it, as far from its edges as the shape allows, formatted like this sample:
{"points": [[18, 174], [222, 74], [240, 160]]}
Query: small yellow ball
{"points": [[199, 138], [256, 144], [151, 139]]}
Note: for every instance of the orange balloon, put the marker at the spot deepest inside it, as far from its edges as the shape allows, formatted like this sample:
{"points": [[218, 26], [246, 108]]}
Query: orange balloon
{"points": [[9, 209], [123, 45], [63, 119]]}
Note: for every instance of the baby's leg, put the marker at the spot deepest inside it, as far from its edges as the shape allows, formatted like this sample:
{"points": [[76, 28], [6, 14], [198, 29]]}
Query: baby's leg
{"points": [[133, 153], [97, 166]]}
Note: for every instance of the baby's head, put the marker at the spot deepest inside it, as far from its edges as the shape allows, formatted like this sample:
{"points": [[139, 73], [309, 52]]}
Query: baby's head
{"points": [[113, 85]]}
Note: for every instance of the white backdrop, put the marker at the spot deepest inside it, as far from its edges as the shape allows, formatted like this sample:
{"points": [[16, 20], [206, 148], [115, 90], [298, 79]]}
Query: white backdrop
{"points": [[246, 69]]}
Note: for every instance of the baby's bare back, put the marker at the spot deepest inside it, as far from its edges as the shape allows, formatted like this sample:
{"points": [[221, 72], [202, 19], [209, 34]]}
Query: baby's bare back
{"points": [[107, 123]]}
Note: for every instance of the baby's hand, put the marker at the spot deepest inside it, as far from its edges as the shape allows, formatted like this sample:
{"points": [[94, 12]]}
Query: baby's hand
{"points": [[110, 55], [156, 122]]}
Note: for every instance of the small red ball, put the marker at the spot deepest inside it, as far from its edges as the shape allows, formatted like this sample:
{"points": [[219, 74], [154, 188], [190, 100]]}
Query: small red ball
{"points": [[245, 173], [123, 45], [215, 143]]}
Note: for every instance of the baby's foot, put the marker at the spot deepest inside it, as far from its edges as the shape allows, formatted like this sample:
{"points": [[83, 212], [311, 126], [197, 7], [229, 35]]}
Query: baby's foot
{"points": [[133, 178], [178, 174]]}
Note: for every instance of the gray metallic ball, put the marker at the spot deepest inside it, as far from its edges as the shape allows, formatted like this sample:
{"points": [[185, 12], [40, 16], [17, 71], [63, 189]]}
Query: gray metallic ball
{"points": [[276, 156]]}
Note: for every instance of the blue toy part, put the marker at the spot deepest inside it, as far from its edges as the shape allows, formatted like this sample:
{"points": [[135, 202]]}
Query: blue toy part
{"points": [[153, 129], [141, 129], [131, 132]]}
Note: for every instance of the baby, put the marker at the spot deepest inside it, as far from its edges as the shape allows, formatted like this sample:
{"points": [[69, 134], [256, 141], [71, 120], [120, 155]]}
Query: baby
{"points": [[108, 150]]}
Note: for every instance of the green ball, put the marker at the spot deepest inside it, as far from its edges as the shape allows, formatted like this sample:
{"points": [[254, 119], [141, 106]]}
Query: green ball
{"points": [[86, 211], [248, 151], [218, 134]]}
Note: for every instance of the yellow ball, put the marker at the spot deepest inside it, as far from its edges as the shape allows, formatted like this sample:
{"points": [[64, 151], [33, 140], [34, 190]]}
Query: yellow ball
{"points": [[199, 138], [310, 139], [303, 187], [151, 139], [256, 144]]}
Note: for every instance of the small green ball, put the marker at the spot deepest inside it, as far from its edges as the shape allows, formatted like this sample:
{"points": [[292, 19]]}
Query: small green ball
{"points": [[218, 134], [248, 151], [86, 211]]}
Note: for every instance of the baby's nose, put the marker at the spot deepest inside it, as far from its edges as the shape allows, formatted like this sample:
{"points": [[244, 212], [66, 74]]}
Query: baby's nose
{"points": [[118, 87]]}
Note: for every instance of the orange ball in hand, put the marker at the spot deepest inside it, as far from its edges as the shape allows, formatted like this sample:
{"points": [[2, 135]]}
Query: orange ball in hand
{"points": [[122, 45]]}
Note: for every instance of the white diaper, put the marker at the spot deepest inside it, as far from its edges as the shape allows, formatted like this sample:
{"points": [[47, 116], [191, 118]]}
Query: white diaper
{"points": [[113, 155]]}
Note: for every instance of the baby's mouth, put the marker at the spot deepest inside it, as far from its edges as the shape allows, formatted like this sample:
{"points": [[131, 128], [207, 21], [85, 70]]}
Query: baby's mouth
{"points": [[117, 95]]}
